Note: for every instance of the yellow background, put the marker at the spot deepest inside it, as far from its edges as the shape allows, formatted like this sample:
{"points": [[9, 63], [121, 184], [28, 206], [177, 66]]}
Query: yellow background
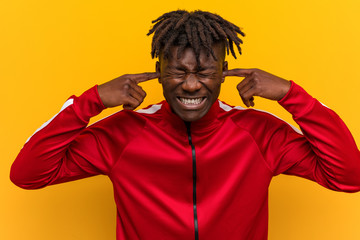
{"points": [[50, 50]]}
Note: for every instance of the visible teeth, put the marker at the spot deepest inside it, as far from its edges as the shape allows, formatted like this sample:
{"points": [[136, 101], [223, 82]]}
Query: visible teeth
{"points": [[192, 101]]}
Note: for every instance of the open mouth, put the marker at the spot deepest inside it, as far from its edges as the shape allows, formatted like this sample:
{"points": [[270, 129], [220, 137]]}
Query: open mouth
{"points": [[191, 102]]}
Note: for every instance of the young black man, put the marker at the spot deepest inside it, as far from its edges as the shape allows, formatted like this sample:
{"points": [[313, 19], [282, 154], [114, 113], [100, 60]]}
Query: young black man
{"points": [[191, 167]]}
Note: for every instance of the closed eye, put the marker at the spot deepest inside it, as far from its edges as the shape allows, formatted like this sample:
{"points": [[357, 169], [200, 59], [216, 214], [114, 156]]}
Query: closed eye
{"points": [[206, 74], [182, 74], [175, 74], [203, 75]]}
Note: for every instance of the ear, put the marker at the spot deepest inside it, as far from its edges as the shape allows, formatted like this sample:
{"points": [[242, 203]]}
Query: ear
{"points": [[157, 69], [225, 68]]}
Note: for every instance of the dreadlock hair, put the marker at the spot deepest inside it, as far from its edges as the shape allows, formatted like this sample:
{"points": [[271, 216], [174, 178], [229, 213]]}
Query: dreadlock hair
{"points": [[198, 30]]}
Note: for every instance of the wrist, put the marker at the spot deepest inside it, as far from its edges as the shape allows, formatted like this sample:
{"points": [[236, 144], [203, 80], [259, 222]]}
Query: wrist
{"points": [[285, 89]]}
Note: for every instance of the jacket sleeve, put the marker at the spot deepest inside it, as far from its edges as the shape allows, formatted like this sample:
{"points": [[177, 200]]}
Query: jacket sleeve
{"points": [[61, 150], [326, 153]]}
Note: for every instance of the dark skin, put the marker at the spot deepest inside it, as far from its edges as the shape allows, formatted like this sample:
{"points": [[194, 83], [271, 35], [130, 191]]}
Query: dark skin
{"points": [[191, 89], [125, 90], [257, 82]]}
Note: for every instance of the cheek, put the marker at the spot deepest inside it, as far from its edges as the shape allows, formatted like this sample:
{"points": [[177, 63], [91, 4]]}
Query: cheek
{"points": [[213, 83], [170, 83], [168, 88], [215, 90]]}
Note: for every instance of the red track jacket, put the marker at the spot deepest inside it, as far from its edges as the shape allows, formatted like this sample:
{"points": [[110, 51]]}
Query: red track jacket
{"points": [[205, 180]]}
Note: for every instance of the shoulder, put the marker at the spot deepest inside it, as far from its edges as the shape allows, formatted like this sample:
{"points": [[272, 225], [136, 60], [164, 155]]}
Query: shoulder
{"points": [[121, 127], [239, 113], [128, 120], [252, 119]]}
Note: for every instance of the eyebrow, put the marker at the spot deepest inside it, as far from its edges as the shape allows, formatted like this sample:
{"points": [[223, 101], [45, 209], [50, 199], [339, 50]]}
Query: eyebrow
{"points": [[200, 68], [207, 68]]}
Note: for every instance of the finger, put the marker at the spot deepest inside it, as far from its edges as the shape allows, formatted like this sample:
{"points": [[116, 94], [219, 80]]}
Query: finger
{"points": [[247, 90], [131, 103], [252, 103], [245, 84], [128, 107], [247, 102], [137, 94], [140, 91], [239, 72], [133, 85], [248, 97], [142, 77]]}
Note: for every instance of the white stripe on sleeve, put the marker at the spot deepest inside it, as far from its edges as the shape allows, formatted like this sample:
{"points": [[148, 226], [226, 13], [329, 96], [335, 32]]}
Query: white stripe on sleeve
{"points": [[66, 104], [227, 108]]}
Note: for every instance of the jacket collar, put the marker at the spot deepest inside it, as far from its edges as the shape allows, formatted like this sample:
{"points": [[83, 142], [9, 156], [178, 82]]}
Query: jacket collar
{"points": [[206, 123]]}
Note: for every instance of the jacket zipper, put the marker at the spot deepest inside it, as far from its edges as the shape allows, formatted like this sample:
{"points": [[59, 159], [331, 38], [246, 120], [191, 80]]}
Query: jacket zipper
{"points": [[194, 181]]}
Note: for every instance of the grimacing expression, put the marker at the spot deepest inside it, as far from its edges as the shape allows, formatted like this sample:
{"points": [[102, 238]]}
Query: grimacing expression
{"points": [[189, 88]]}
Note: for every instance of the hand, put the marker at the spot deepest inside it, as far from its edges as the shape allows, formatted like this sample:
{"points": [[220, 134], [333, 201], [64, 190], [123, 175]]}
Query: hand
{"points": [[259, 83], [125, 90]]}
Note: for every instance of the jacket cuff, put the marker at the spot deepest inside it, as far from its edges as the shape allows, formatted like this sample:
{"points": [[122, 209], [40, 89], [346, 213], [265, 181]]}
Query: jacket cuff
{"points": [[297, 101], [88, 104]]}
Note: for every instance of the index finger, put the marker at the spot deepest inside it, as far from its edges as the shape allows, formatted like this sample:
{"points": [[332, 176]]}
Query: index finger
{"points": [[142, 77], [239, 72]]}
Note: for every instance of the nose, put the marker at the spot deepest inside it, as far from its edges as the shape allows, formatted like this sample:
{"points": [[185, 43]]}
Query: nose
{"points": [[191, 83]]}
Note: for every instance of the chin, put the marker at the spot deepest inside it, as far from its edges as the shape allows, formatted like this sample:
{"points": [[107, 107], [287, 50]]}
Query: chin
{"points": [[189, 115], [192, 117]]}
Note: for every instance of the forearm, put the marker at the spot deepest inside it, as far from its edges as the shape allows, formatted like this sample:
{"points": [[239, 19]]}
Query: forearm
{"points": [[335, 159], [43, 159]]}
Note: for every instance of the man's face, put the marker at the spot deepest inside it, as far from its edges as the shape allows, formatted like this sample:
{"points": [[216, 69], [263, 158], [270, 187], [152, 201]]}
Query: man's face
{"points": [[189, 88]]}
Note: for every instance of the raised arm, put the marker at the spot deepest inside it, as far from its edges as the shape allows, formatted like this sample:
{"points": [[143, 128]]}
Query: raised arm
{"points": [[325, 153], [63, 149], [257, 82]]}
